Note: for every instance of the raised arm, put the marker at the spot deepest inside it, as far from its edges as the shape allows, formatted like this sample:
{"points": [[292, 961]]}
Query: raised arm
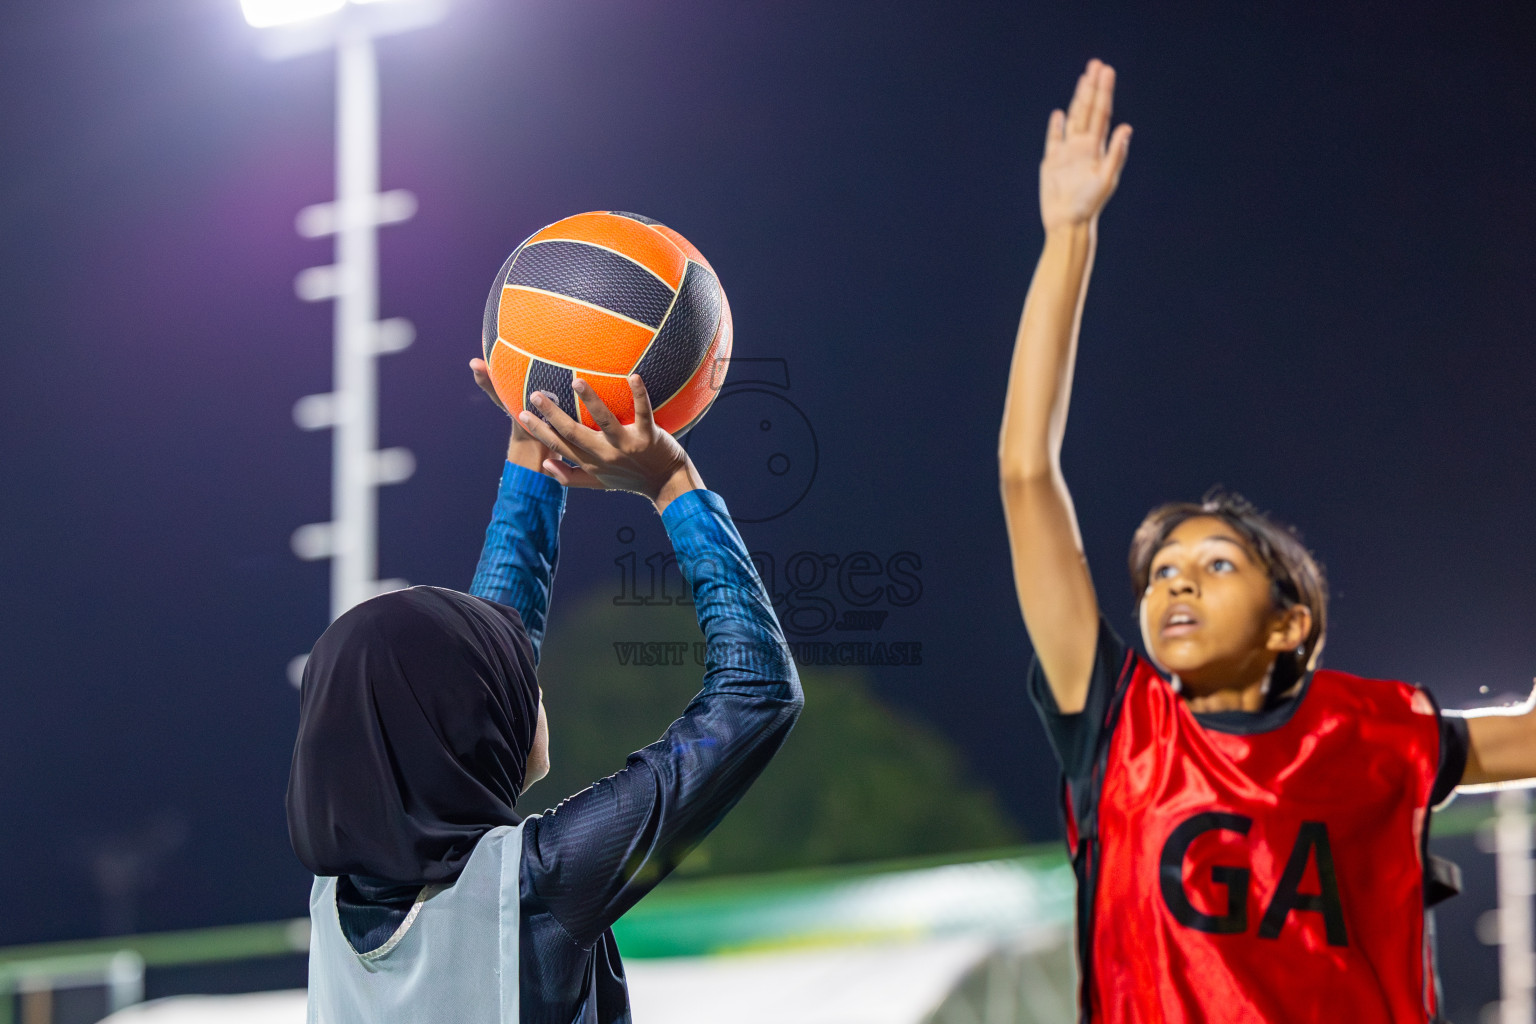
{"points": [[594, 856], [522, 542], [1078, 174]]}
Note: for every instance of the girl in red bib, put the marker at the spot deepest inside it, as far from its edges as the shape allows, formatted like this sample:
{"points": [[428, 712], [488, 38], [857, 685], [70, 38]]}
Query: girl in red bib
{"points": [[1249, 831]]}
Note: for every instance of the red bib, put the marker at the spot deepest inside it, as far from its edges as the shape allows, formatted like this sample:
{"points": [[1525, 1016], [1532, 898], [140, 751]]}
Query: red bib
{"points": [[1270, 877]]}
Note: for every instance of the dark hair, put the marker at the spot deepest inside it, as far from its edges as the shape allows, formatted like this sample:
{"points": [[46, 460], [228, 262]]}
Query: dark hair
{"points": [[1295, 577]]}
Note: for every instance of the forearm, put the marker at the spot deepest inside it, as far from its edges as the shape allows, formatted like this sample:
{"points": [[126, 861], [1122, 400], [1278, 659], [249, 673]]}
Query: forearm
{"points": [[522, 547], [1045, 349], [744, 645]]}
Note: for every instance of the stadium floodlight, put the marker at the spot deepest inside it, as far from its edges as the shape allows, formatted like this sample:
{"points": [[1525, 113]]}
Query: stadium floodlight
{"points": [[272, 13], [350, 409]]}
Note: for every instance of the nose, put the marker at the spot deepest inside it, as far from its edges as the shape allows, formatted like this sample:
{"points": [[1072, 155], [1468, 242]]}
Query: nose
{"points": [[1180, 585]]}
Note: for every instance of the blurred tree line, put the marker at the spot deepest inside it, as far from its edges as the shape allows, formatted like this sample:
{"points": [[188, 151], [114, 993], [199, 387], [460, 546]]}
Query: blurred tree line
{"points": [[855, 781]]}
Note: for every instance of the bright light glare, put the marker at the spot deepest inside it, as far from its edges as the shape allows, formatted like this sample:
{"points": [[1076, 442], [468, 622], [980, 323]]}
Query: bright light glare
{"points": [[267, 13]]}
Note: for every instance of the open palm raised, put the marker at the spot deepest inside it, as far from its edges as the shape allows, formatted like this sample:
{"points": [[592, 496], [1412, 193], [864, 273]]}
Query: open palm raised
{"points": [[1082, 161]]}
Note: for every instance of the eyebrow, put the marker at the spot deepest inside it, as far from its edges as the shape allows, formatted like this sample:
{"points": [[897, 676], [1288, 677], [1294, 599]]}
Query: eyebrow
{"points": [[1204, 540]]}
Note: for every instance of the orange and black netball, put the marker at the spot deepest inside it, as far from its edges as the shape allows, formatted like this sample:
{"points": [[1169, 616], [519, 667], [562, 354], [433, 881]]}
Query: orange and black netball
{"points": [[600, 296]]}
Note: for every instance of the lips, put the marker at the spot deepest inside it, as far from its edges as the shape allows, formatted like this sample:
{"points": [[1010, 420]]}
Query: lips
{"points": [[1179, 620]]}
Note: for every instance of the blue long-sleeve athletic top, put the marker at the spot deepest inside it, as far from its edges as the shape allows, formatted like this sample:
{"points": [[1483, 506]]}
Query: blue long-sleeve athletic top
{"points": [[595, 855]]}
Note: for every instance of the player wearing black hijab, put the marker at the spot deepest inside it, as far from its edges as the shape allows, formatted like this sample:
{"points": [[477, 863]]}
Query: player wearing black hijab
{"points": [[422, 724]]}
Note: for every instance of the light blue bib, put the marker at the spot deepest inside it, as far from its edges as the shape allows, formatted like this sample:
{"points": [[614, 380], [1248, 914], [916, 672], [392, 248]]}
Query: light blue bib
{"points": [[452, 961]]}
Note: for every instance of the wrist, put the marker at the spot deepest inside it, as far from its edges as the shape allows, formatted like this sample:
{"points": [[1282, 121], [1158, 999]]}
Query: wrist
{"points": [[1071, 244], [684, 478], [1072, 229], [527, 453]]}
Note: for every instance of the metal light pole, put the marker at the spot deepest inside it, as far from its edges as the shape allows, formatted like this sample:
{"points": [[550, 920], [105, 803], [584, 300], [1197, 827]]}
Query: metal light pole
{"points": [[350, 409], [358, 468], [1512, 845]]}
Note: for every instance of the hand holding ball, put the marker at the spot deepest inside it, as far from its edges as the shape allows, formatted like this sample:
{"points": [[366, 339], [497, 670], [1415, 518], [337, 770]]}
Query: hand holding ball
{"points": [[637, 456]]}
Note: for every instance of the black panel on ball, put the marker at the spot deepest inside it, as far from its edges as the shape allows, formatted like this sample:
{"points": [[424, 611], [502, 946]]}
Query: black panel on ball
{"points": [[552, 379], [684, 338], [490, 327], [595, 276]]}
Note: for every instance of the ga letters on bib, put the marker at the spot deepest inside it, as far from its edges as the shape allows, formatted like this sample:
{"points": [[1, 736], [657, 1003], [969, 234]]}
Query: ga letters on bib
{"points": [[1261, 876]]}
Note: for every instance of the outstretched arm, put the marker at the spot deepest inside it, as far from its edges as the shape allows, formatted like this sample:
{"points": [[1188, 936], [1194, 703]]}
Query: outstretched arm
{"points": [[1078, 174], [1501, 744], [594, 856]]}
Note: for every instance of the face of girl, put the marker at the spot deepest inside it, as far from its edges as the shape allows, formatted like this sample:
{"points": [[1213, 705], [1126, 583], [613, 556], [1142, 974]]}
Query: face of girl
{"points": [[1208, 616]]}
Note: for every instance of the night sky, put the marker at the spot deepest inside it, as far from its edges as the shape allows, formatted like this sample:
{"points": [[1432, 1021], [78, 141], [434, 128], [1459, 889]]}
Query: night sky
{"points": [[1314, 286]]}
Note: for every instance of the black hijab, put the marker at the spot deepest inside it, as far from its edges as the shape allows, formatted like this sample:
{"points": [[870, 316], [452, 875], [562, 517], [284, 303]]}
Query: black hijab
{"points": [[416, 716]]}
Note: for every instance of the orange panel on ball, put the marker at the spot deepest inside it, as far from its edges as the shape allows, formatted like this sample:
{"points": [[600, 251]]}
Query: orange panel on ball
{"points": [[562, 331], [615, 393], [509, 369], [628, 237], [688, 248]]}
